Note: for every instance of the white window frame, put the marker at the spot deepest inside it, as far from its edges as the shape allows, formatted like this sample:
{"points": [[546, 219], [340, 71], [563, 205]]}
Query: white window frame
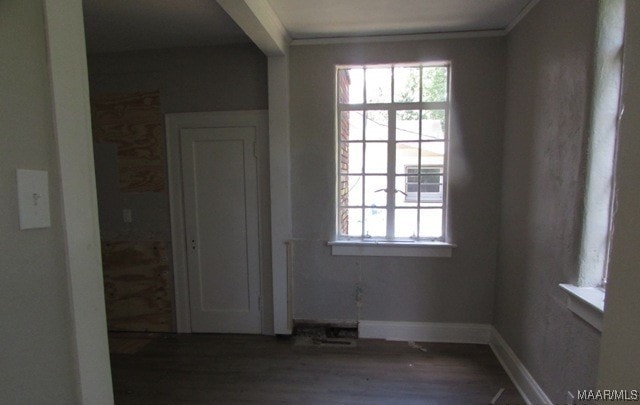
{"points": [[391, 109], [586, 298]]}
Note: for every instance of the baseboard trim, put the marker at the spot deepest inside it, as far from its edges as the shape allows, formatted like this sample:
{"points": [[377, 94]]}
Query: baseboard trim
{"points": [[426, 331], [531, 392]]}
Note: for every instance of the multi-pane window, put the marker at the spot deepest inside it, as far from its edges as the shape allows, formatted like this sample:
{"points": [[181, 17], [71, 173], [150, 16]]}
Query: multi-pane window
{"points": [[392, 151]]}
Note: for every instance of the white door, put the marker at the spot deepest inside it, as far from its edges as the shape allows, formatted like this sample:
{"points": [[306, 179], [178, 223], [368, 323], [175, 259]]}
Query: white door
{"points": [[219, 177]]}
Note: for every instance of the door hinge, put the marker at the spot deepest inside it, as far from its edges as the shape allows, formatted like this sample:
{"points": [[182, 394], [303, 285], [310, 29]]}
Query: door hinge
{"points": [[260, 302]]}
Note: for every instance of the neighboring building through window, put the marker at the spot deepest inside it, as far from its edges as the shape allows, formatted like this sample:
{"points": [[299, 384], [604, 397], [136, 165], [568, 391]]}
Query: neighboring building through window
{"points": [[428, 184], [392, 124]]}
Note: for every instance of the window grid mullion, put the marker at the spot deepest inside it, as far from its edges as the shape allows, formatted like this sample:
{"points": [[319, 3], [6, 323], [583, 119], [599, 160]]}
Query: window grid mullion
{"points": [[419, 200], [364, 178], [445, 162], [391, 166], [419, 203], [364, 149], [430, 105]]}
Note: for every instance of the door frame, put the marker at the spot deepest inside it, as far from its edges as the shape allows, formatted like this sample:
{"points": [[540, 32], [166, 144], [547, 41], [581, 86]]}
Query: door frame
{"points": [[174, 123]]}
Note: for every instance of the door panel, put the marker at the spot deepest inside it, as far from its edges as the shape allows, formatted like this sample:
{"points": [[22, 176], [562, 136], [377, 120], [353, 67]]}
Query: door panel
{"points": [[221, 220]]}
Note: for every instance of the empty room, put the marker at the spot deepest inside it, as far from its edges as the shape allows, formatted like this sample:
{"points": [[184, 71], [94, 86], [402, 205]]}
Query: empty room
{"points": [[331, 201]]}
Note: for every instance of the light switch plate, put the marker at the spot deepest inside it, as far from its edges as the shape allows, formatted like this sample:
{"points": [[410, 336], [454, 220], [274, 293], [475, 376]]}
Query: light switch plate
{"points": [[33, 198]]}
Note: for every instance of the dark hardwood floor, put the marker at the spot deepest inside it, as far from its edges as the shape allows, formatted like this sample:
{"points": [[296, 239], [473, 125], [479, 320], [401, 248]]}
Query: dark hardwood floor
{"points": [[206, 369]]}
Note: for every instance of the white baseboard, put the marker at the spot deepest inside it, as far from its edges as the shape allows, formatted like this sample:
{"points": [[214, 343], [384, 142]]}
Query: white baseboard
{"points": [[531, 392], [425, 331]]}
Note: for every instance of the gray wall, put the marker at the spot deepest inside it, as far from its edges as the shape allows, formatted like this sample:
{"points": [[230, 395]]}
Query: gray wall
{"points": [[222, 78], [36, 337], [457, 289], [550, 54]]}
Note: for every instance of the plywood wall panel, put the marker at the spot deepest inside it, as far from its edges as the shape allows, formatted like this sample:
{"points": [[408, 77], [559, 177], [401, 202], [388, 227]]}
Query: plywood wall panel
{"points": [[134, 122], [137, 272], [138, 286]]}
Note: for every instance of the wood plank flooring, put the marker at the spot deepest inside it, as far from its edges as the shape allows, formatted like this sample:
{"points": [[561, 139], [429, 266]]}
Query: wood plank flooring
{"points": [[229, 369]]}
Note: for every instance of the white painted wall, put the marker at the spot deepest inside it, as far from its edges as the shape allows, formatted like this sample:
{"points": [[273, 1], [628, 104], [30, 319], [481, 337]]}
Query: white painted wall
{"points": [[53, 338], [280, 172], [36, 336], [72, 131], [620, 352]]}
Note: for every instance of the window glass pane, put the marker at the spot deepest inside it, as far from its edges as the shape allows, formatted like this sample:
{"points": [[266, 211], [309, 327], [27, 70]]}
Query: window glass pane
{"points": [[350, 190], [431, 190], [407, 154], [431, 223], [407, 125], [378, 85], [433, 154], [351, 222], [406, 85], [430, 204], [407, 191], [351, 125], [406, 223], [431, 180], [375, 222], [377, 125], [375, 191], [427, 188], [434, 84], [433, 124], [431, 186], [351, 86], [375, 157], [351, 157]]}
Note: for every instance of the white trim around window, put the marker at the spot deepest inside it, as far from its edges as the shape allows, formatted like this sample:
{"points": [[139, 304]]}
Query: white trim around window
{"points": [[389, 118], [386, 248]]}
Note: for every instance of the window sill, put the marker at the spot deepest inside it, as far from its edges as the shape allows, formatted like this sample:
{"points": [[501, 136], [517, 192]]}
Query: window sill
{"points": [[586, 302], [383, 248]]}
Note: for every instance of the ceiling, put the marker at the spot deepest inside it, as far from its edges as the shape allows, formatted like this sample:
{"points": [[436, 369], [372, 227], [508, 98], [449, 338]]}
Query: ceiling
{"points": [[306, 19], [125, 25]]}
